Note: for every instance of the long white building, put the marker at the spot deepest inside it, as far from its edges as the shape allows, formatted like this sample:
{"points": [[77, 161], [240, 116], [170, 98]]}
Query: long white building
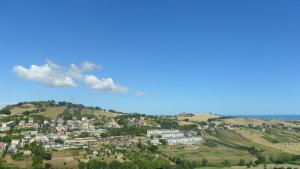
{"points": [[160, 132], [184, 140], [172, 137]]}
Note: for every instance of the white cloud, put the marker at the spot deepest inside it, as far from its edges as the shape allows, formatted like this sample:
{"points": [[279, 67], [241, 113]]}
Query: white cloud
{"points": [[54, 75], [88, 66], [49, 74], [75, 72], [105, 84], [140, 93]]}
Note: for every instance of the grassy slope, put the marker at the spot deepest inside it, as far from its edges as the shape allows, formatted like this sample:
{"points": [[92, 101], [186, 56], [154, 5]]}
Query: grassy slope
{"points": [[53, 112], [18, 110], [258, 122], [101, 113], [232, 146], [256, 137], [269, 166], [213, 155], [199, 117]]}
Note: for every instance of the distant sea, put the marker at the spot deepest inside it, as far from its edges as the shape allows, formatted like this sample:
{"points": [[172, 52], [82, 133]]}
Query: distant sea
{"points": [[271, 117]]}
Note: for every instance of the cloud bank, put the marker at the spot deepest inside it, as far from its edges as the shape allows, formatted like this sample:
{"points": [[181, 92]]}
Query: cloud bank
{"points": [[54, 75]]}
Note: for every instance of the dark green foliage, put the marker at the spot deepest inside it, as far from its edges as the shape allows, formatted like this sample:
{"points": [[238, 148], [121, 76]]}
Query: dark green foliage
{"points": [[5, 111], [67, 115], [140, 164], [226, 163], [253, 151], [163, 142], [39, 154], [153, 148], [59, 141], [270, 139], [242, 162], [84, 134], [211, 143], [48, 166], [204, 162], [133, 131], [18, 156]]}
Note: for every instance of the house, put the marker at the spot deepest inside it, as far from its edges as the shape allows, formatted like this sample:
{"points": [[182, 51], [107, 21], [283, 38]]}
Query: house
{"points": [[2, 146], [81, 142], [8, 124], [155, 141], [137, 121], [13, 148]]}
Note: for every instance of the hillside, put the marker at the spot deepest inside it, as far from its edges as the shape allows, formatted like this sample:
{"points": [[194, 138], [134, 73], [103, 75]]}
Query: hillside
{"points": [[199, 117], [53, 110]]}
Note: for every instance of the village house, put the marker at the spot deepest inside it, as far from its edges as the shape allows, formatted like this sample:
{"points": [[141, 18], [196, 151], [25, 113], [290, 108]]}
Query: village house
{"points": [[8, 124], [81, 142], [13, 148], [137, 121], [2, 146], [120, 141]]}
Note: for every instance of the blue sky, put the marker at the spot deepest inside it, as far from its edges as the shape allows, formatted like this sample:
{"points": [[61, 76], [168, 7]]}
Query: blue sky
{"points": [[229, 57]]}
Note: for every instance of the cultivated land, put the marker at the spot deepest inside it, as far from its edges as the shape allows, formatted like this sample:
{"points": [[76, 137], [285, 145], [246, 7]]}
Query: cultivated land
{"points": [[199, 117], [75, 135], [269, 166], [257, 137], [258, 122], [213, 155]]}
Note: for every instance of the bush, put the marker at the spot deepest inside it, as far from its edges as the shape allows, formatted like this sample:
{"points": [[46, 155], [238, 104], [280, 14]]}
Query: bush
{"points": [[211, 143]]}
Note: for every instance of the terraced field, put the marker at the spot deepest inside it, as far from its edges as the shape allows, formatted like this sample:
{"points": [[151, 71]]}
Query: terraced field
{"points": [[269, 166], [258, 122], [199, 117], [213, 155], [258, 137]]}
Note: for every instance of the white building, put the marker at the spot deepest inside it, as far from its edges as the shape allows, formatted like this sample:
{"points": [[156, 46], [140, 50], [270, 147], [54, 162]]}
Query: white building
{"points": [[172, 135], [184, 140], [8, 124], [160, 132], [155, 142]]}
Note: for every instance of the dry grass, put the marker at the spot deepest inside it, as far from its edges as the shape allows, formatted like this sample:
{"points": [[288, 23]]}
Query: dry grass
{"points": [[199, 117], [65, 159], [53, 112], [101, 113], [258, 122], [213, 155], [20, 109], [269, 166], [185, 123], [18, 164], [255, 136]]}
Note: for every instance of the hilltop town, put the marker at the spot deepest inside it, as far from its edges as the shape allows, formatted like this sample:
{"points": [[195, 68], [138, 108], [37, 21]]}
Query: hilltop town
{"points": [[49, 134]]}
